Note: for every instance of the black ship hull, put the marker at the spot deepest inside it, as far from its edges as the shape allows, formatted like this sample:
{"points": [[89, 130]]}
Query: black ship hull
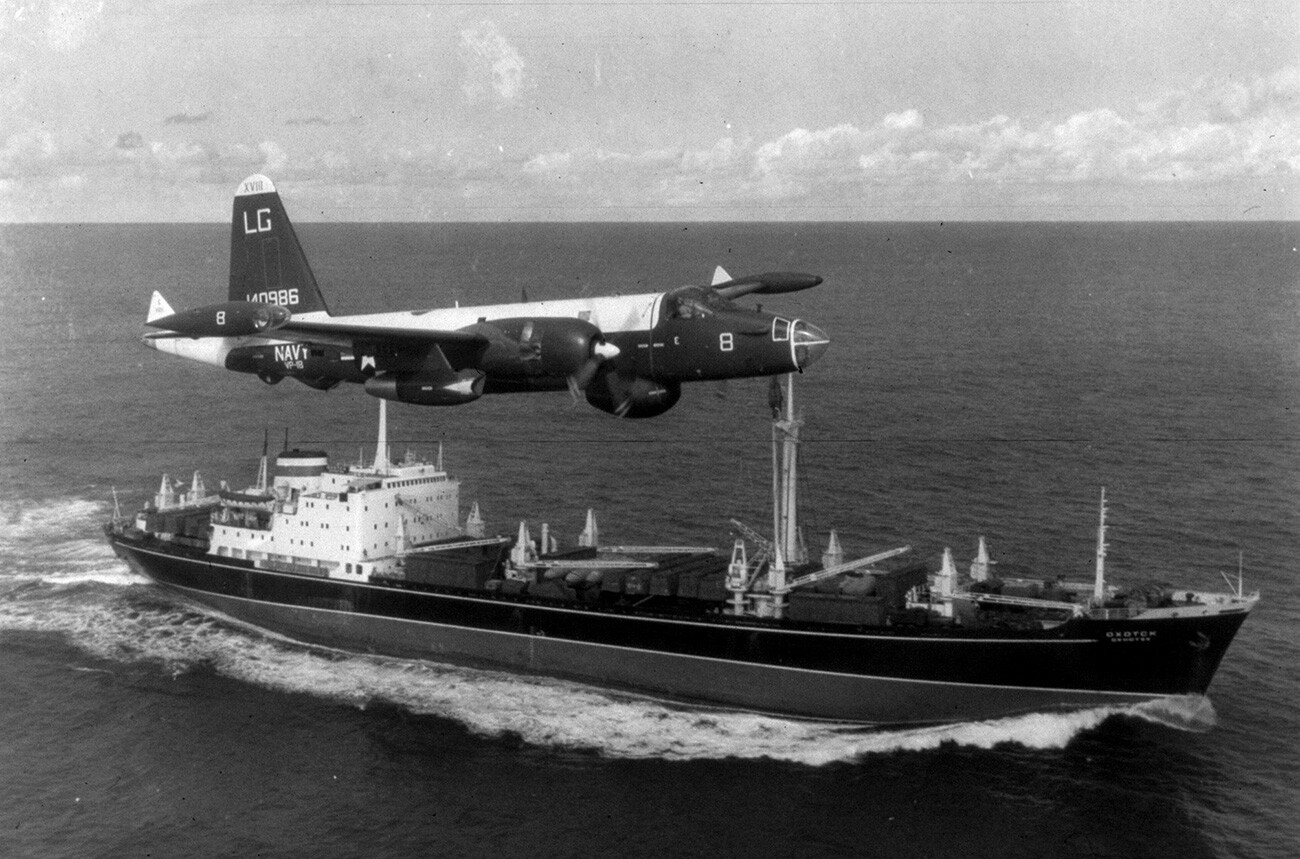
{"points": [[882, 675]]}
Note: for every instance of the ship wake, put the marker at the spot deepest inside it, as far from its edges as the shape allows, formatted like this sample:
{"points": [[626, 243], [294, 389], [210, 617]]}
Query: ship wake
{"points": [[58, 543], [540, 712]]}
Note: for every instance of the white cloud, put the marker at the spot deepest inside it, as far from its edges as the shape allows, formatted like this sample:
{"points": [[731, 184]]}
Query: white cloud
{"points": [[905, 121], [70, 23], [1198, 137], [557, 165], [1247, 133], [492, 65], [29, 151], [275, 158]]}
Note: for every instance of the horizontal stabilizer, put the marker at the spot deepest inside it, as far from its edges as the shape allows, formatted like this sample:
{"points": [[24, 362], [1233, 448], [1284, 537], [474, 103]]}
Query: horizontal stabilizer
{"points": [[158, 308]]}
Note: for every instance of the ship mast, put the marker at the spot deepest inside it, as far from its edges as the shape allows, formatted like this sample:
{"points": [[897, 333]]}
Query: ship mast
{"points": [[262, 479], [785, 479], [381, 448], [1099, 582], [787, 547]]}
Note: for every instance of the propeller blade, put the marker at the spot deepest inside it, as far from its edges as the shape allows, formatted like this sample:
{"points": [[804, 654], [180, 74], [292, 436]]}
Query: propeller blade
{"points": [[581, 378], [579, 381]]}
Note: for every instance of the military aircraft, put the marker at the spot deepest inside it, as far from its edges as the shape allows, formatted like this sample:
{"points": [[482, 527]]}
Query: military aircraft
{"points": [[628, 355]]}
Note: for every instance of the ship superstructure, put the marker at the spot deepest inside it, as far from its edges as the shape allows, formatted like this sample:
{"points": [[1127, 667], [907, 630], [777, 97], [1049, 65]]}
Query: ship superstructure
{"points": [[347, 523]]}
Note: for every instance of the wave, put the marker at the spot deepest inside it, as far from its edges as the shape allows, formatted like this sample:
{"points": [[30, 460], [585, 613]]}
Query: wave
{"points": [[57, 542]]}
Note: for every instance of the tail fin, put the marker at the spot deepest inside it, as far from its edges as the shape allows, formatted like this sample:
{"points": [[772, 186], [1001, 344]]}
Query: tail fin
{"points": [[266, 262]]}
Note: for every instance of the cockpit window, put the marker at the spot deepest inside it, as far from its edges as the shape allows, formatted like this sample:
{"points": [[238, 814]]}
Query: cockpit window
{"points": [[693, 302]]}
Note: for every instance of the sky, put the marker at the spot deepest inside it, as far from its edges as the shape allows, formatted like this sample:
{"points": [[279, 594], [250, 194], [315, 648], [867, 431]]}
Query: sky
{"points": [[914, 110]]}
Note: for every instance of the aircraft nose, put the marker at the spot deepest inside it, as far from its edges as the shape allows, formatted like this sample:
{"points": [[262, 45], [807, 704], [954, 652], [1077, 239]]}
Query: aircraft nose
{"points": [[809, 343]]}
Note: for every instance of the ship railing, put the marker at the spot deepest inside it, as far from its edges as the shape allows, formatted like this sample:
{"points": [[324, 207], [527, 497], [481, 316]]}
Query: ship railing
{"points": [[611, 564], [658, 550], [1115, 613], [460, 544], [1026, 602], [321, 570], [1216, 598]]}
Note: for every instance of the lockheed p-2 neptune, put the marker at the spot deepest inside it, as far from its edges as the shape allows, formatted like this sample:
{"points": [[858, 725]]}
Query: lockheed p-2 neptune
{"points": [[628, 355]]}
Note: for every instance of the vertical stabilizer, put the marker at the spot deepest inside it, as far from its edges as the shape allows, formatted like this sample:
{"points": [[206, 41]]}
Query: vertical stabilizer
{"points": [[266, 262]]}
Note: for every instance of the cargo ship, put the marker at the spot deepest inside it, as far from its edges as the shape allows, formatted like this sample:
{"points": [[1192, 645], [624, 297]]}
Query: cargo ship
{"points": [[374, 557]]}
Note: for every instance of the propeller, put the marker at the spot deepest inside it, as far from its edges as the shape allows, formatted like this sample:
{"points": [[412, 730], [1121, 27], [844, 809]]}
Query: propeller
{"points": [[581, 378]]}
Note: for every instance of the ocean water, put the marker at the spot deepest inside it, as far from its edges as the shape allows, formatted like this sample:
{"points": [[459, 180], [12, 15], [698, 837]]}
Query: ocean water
{"points": [[982, 380]]}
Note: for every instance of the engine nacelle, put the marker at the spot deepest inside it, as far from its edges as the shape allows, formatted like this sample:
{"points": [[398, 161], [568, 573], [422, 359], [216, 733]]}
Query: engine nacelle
{"points": [[424, 389], [632, 396], [537, 346]]}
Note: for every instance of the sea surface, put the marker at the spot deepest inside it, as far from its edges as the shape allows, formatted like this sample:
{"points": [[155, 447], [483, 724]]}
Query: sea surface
{"points": [[982, 380]]}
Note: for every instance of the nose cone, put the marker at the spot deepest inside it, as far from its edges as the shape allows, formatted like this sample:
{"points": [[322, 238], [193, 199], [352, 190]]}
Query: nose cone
{"points": [[809, 343]]}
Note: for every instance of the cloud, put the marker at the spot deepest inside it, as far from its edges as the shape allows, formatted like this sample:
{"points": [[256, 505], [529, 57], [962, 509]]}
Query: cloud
{"points": [[188, 118], [29, 152], [70, 23], [1206, 134], [1229, 137], [1200, 137], [493, 68], [36, 154], [129, 140]]}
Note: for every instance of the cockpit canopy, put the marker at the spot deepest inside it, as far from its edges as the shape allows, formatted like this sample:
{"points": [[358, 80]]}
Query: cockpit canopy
{"points": [[694, 302]]}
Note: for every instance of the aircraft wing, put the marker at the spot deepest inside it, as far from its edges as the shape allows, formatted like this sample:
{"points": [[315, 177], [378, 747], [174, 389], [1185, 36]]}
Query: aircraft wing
{"points": [[461, 347]]}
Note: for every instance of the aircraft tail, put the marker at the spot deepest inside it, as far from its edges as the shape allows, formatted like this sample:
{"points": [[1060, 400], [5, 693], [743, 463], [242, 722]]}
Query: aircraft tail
{"points": [[266, 262]]}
